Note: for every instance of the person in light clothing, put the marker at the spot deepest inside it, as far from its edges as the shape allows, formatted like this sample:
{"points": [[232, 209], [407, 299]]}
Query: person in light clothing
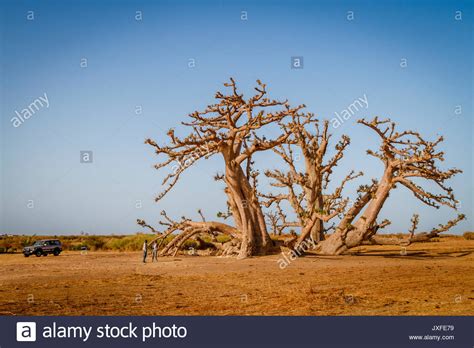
{"points": [[145, 250], [155, 252]]}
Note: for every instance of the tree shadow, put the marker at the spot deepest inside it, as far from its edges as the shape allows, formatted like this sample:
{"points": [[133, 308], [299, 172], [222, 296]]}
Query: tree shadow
{"points": [[313, 255], [415, 255]]}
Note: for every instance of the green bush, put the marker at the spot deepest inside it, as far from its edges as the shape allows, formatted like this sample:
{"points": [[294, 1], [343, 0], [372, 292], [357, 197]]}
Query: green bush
{"points": [[468, 235]]}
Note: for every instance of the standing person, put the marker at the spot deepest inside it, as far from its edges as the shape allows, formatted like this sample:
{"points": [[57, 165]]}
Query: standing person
{"points": [[155, 252], [145, 250]]}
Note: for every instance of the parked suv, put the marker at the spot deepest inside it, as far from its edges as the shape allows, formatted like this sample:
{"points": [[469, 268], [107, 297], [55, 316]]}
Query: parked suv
{"points": [[44, 247]]}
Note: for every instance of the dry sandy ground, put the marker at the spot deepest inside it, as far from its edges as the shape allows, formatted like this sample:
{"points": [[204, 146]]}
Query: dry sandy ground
{"points": [[431, 279]]}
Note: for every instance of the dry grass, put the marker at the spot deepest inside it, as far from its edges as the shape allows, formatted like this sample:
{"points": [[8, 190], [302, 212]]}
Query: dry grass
{"points": [[431, 279], [14, 244]]}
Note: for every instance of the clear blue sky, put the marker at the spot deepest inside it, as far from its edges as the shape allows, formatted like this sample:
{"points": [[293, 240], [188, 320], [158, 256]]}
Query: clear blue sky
{"points": [[145, 63]]}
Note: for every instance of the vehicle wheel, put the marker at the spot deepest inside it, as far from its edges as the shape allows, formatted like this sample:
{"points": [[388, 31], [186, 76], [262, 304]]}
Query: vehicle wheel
{"points": [[56, 252], [26, 255], [38, 253]]}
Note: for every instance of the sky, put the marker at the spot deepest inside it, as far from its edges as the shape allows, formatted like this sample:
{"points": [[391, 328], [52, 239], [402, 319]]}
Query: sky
{"points": [[117, 72]]}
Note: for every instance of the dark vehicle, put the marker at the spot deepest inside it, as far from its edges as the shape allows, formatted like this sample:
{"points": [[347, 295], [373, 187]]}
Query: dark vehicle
{"points": [[44, 247]]}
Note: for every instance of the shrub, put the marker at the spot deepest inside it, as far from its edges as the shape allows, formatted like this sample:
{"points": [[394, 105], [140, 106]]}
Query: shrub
{"points": [[468, 235]]}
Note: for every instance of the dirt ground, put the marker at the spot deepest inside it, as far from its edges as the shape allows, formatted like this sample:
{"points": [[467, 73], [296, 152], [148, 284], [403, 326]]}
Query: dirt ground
{"points": [[428, 279]]}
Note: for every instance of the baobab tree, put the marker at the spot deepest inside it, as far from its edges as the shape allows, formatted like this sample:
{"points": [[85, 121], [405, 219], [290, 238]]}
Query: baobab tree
{"points": [[305, 188], [405, 155], [233, 127], [230, 128]]}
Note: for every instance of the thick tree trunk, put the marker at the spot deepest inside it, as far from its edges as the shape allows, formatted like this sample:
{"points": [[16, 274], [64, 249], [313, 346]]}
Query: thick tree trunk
{"points": [[333, 245], [363, 226], [248, 213], [313, 228], [348, 235], [317, 232], [234, 209]]}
